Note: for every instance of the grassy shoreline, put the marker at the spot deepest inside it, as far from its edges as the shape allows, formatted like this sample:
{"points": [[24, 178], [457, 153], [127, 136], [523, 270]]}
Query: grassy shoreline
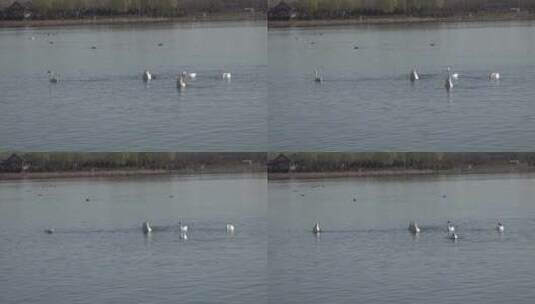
{"points": [[367, 20], [130, 20], [127, 173], [261, 170], [397, 172]]}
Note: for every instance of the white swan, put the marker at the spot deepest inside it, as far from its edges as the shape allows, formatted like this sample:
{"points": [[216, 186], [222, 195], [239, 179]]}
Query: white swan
{"points": [[317, 76], [147, 76], [494, 76], [53, 77], [414, 228], [182, 228], [454, 76], [453, 236], [414, 76], [449, 81], [230, 228], [451, 228], [316, 228], [500, 227], [226, 76], [181, 81], [146, 227]]}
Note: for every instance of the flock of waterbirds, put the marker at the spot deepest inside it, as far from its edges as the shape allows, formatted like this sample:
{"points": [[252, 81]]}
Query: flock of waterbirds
{"points": [[414, 76], [415, 229], [183, 229], [182, 80]]}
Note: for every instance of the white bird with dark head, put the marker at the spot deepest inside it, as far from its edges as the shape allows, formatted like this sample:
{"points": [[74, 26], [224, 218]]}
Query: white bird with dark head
{"points": [[414, 228], [318, 77], [414, 76], [53, 77], [449, 81], [494, 76], [454, 76], [499, 227], [147, 76], [451, 227], [182, 228], [181, 81], [316, 228], [146, 227]]}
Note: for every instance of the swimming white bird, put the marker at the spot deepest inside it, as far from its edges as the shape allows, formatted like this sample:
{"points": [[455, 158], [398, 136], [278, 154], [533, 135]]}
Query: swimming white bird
{"points": [[454, 76], [230, 228], [50, 230], [182, 228], [147, 76], [451, 228], [146, 227], [494, 76], [316, 228], [414, 228], [449, 81], [181, 82], [226, 76], [192, 75], [317, 76], [500, 227], [414, 76], [453, 236], [53, 77]]}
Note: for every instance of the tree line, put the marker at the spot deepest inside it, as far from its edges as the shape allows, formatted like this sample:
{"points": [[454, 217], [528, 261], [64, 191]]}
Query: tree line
{"points": [[43, 9], [347, 8], [336, 161], [81, 161]]}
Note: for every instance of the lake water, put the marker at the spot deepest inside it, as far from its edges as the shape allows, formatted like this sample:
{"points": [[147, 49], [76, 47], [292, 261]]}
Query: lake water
{"points": [[99, 254], [367, 103], [366, 254], [101, 103]]}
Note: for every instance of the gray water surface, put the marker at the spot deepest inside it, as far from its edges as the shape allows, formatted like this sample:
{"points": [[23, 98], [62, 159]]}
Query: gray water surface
{"points": [[367, 255], [367, 103], [101, 103], [99, 254]]}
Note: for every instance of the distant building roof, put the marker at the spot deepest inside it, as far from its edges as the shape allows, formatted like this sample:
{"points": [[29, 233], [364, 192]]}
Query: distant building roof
{"points": [[281, 11], [13, 163], [7, 3]]}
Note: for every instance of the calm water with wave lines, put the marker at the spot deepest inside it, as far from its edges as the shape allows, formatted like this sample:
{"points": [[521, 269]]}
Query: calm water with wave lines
{"points": [[366, 253], [98, 253], [367, 103], [102, 104]]}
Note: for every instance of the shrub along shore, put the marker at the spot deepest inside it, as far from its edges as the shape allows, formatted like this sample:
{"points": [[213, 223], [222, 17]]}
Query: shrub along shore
{"points": [[333, 164], [397, 19], [303, 165], [74, 164], [104, 20], [302, 13]]}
